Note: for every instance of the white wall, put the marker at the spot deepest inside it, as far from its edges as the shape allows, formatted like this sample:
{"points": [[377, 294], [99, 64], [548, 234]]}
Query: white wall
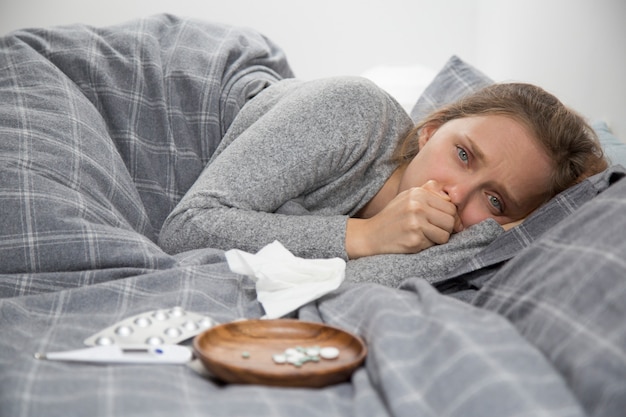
{"points": [[574, 48]]}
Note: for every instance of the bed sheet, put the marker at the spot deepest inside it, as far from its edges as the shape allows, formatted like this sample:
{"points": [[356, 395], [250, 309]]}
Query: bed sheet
{"points": [[428, 354]]}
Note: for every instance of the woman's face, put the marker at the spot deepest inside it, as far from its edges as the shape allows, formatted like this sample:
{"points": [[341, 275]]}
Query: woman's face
{"points": [[490, 167]]}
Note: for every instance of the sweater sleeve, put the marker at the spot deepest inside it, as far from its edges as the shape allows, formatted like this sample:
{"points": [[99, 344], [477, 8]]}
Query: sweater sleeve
{"points": [[321, 146], [432, 264]]}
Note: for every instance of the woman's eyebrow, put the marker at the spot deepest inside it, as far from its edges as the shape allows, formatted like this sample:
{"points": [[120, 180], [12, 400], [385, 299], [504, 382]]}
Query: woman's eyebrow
{"points": [[476, 151]]}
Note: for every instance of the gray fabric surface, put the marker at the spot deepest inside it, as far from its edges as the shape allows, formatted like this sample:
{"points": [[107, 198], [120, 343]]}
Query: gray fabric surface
{"points": [[102, 131], [434, 264], [566, 294], [455, 80], [471, 275], [314, 152], [429, 355], [83, 193]]}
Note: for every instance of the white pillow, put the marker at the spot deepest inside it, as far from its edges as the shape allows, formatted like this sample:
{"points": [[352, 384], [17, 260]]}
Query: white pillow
{"points": [[404, 82]]}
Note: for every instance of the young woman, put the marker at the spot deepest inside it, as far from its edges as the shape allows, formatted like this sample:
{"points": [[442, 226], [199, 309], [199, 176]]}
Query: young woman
{"points": [[336, 168]]}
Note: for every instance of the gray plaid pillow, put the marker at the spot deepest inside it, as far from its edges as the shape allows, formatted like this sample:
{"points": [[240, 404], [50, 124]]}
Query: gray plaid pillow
{"points": [[470, 276], [455, 80]]}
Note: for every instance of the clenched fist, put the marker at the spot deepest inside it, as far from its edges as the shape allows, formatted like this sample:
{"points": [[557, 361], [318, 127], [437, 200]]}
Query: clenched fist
{"points": [[414, 220]]}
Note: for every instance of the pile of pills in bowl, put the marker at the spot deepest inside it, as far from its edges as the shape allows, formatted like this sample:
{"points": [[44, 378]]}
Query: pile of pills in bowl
{"points": [[298, 356]]}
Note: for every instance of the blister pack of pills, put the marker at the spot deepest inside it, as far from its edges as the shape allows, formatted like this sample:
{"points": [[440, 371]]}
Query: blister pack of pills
{"points": [[156, 327]]}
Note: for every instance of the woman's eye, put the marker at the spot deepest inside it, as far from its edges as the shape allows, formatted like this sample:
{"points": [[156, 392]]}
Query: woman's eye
{"points": [[495, 202], [463, 156]]}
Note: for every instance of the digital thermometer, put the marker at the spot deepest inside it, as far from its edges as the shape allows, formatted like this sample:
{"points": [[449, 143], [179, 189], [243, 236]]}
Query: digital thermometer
{"points": [[163, 354]]}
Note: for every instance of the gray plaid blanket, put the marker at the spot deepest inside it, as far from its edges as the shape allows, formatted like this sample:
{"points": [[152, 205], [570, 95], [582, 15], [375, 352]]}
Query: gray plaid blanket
{"points": [[101, 133]]}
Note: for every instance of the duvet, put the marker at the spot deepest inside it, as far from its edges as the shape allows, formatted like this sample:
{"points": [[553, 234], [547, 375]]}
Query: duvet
{"points": [[102, 130]]}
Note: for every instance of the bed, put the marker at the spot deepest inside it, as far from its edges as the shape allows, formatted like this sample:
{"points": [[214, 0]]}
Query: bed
{"points": [[102, 130]]}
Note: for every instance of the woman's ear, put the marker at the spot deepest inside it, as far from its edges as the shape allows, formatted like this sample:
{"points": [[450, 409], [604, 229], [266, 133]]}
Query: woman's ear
{"points": [[425, 134]]}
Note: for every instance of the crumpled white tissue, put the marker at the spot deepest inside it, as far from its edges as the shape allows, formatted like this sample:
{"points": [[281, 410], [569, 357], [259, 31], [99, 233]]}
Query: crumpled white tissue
{"points": [[284, 281]]}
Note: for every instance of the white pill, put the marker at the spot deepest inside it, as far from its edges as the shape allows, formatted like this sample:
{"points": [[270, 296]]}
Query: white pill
{"points": [[313, 351], [160, 315], [294, 358], [329, 352], [154, 341], [177, 312], [205, 322], [143, 322], [279, 358], [190, 326], [124, 331], [173, 332], [104, 341], [291, 352]]}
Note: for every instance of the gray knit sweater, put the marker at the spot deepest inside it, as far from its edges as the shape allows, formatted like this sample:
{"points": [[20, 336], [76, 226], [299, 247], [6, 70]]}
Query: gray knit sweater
{"points": [[298, 159], [296, 162]]}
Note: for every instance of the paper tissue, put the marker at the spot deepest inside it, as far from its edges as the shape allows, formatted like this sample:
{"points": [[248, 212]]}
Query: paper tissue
{"points": [[285, 282]]}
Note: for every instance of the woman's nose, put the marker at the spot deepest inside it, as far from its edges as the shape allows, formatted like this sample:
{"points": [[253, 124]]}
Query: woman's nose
{"points": [[457, 194]]}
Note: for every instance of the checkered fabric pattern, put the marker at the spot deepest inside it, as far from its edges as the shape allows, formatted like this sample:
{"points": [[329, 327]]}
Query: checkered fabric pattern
{"points": [[103, 130], [92, 160]]}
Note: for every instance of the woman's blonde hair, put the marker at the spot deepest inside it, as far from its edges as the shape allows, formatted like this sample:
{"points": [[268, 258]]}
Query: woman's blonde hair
{"points": [[566, 137]]}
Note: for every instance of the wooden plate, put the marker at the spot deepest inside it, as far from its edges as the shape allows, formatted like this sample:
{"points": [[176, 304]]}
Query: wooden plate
{"points": [[241, 352]]}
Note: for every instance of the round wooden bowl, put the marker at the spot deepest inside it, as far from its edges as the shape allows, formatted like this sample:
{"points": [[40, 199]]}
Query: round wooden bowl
{"points": [[241, 352]]}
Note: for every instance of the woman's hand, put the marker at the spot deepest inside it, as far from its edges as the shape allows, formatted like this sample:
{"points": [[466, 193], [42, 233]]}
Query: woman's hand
{"points": [[414, 220]]}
